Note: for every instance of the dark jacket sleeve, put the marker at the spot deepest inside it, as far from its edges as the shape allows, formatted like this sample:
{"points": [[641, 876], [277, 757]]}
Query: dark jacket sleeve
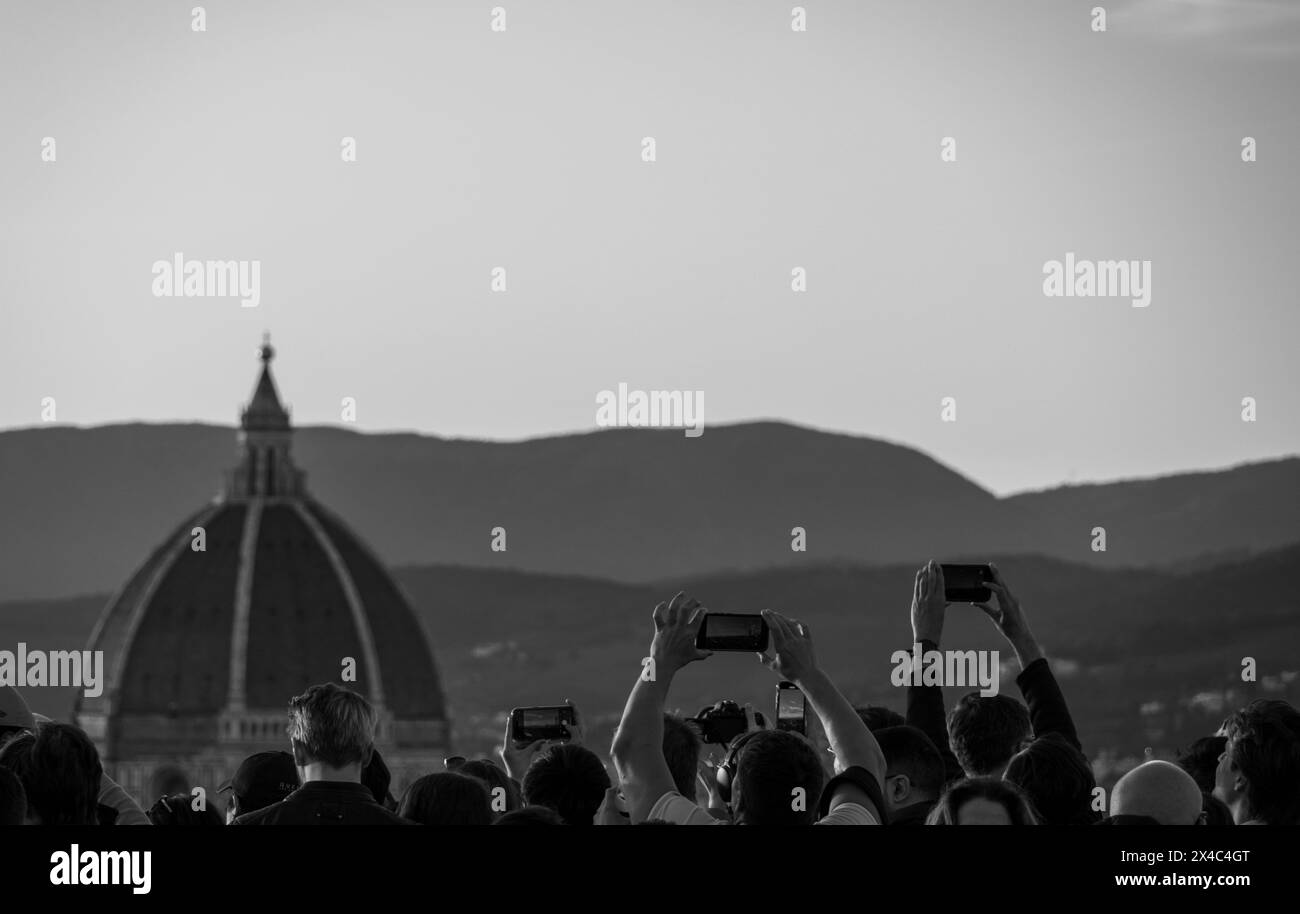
{"points": [[925, 711], [1048, 712]]}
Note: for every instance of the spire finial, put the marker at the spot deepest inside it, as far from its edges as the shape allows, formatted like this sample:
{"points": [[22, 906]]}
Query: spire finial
{"points": [[267, 352]]}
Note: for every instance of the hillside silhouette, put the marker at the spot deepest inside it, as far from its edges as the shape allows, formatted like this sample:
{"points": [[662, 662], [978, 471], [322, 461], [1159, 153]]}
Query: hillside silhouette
{"points": [[83, 507]]}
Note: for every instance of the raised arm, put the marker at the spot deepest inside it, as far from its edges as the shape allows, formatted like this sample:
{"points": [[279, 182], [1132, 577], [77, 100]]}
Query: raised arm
{"points": [[925, 709], [638, 749], [1048, 712], [850, 740]]}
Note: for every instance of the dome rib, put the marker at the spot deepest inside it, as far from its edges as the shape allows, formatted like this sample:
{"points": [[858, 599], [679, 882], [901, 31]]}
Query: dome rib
{"points": [[414, 692], [243, 606], [359, 619], [116, 663]]}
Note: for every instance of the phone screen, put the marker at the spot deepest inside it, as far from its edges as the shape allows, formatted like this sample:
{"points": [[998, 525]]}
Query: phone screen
{"points": [[789, 705], [731, 632], [966, 583], [734, 626], [540, 718], [790, 709]]}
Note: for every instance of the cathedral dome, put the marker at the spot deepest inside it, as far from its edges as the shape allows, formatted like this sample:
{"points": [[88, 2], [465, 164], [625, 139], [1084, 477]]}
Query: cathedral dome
{"points": [[250, 600]]}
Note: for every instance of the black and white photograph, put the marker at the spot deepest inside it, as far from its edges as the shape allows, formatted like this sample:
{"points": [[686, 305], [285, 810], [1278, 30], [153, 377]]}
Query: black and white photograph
{"points": [[649, 412]]}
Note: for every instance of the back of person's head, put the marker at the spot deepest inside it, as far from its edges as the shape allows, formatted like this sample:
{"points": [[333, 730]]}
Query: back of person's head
{"points": [[447, 798], [913, 766], [878, 717], [1161, 790], [531, 815], [682, 753], [178, 809], [982, 801], [569, 779], [262, 779], [61, 772], [769, 766], [985, 731], [331, 725], [498, 784], [1057, 779], [1201, 760], [1263, 762], [169, 781], [13, 799]]}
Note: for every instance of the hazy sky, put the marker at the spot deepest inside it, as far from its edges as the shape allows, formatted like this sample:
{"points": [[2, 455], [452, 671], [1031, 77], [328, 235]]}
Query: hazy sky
{"points": [[775, 149]]}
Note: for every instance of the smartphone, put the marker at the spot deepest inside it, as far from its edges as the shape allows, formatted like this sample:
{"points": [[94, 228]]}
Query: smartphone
{"points": [[966, 583], [732, 632], [791, 710], [527, 725]]}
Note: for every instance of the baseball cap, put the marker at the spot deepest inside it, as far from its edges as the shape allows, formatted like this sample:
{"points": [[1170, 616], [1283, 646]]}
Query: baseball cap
{"points": [[262, 779], [14, 711]]}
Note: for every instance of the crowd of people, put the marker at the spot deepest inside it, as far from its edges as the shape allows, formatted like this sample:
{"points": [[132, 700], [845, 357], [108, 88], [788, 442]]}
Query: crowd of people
{"points": [[990, 760]]}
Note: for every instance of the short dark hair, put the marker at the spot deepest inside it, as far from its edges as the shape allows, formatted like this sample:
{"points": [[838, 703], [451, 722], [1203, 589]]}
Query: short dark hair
{"points": [[61, 773], [178, 809], [771, 764], [1201, 760], [493, 777], [569, 779], [985, 731], [13, 799], [1057, 779], [531, 815], [682, 753], [447, 798], [1264, 745], [1006, 794], [909, 751], [878, 717]]}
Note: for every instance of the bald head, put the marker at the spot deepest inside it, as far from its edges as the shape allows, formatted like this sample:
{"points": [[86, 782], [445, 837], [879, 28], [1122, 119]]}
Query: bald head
{"points": [[1160, 790]]}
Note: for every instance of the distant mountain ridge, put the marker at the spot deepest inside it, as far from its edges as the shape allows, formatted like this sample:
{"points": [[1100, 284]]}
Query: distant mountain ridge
{"points": [[81, 508]]}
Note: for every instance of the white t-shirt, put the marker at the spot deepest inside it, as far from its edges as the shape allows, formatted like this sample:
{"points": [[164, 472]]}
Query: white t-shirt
{"points": [[675, 808]]}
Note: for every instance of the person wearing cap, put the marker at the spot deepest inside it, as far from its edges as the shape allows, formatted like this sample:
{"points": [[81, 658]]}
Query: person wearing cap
{"points": [[15, 717], [262, 779], [118, 807]]}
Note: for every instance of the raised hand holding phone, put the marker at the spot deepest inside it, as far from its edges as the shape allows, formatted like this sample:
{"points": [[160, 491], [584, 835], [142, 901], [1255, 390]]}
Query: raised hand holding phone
{"points": [[517, 756], [677, 623], [1010, 619], [928, 603], [792, 649]]}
